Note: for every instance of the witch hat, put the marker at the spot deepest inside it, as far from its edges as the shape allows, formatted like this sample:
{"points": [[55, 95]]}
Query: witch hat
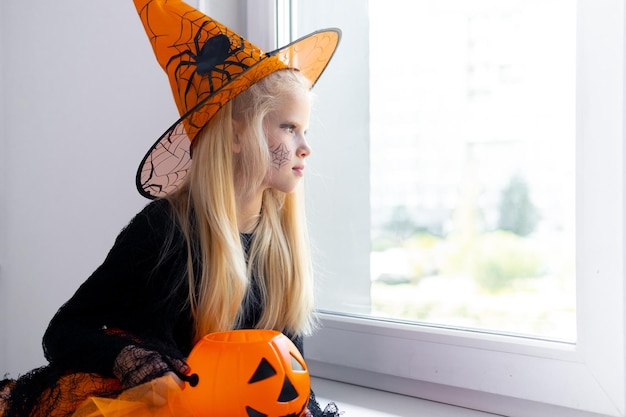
{"points": [[207, 65]]}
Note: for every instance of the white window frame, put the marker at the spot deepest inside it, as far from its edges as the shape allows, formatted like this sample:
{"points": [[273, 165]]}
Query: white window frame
{"points": [[269, 22], [510, 375]]}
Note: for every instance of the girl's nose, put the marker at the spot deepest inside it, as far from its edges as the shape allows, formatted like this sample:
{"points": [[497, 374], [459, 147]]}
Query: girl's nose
{"points": [[304, 150]]}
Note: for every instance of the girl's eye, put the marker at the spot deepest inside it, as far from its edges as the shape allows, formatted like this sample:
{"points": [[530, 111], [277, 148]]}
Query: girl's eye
{"points": [[289, 128]]}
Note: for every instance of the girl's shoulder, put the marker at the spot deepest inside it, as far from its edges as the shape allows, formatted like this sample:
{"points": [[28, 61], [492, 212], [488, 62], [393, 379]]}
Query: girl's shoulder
{"points": [[160, 207], [156, 214], [153, 223]]}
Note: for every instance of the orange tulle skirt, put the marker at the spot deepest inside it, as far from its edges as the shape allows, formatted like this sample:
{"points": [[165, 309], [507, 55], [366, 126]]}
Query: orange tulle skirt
{"points": [[158, 398], [92, 395], [63, 397]]}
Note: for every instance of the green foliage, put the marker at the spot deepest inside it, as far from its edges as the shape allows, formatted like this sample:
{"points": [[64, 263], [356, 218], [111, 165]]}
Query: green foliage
{"points": [[381, 244], [501, 258], [517, 212], [424, 254], [495, 261], [401, 225]]}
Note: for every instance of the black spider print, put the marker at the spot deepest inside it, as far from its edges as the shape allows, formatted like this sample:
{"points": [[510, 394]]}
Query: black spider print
{"points": [[206, 58]]}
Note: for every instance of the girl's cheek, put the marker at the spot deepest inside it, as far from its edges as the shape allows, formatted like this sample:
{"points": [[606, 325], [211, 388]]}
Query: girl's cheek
{"points": [[280, 156]]}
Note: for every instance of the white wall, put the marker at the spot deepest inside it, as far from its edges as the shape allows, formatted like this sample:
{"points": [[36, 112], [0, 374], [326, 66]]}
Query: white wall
{"points": [[81, 100], [3, 310], [84, 98]]}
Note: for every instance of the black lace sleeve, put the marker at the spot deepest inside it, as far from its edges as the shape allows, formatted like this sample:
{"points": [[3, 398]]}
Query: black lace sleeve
{"points": [[126, 301]]}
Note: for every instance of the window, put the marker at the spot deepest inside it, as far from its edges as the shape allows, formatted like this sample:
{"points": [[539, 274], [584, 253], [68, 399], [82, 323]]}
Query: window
{"points": [[485, 368], [470, 165]]}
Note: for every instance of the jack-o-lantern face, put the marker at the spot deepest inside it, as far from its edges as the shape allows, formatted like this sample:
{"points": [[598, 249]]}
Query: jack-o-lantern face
{"points": [[247, 373]]}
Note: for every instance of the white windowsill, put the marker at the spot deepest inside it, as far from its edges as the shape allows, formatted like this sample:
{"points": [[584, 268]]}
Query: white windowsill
{"points": [[358, 401]]}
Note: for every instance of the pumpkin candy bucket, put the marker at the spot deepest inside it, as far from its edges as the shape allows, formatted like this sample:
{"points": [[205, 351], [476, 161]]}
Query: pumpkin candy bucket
{"points": [[246, 373]]}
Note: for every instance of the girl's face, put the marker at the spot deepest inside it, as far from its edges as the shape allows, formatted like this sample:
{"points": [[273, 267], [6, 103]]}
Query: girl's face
{"points": [[286, 130]]}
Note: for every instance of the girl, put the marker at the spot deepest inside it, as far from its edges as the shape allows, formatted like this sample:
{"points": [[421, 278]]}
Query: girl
{"points": [[223, 245]]}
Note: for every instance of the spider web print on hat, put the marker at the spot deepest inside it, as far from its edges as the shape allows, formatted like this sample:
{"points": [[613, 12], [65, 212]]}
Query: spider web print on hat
{"points": [[207, 65]]}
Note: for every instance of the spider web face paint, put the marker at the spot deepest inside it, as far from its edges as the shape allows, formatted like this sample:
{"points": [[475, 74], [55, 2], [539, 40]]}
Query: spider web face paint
{"points": [[280, 156]]}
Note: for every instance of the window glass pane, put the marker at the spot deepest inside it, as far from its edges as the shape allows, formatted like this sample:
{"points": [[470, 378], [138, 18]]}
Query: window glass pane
{"points": [[471, 164]]}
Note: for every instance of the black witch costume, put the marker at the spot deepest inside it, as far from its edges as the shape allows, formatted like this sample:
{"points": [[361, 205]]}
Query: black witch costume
{"points": [[135, 301]]}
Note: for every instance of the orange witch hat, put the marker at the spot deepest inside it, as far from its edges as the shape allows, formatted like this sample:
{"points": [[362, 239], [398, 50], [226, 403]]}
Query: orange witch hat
{"points": [[207, 65]]}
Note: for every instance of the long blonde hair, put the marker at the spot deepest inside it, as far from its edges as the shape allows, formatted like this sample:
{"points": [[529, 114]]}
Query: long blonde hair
{"points": [[206, 209]]}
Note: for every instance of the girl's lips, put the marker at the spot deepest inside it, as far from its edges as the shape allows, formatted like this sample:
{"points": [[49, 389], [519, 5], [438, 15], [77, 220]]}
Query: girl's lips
{"points": [[299, 170]]}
